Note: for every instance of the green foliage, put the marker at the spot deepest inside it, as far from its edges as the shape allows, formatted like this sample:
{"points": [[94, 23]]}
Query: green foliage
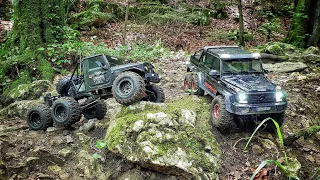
{"points": [[100, 144], [288, 168], [196, 17], [93, 16], [314, 175], [234, 35]]}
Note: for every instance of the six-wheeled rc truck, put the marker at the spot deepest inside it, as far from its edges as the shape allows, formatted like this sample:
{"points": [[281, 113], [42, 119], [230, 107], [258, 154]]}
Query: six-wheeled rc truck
{"points": [[236, 80], [95, 78]]}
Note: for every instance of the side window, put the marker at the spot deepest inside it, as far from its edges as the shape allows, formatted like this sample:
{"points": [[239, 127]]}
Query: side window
{"points": [[198, 54], [209, 61], [95, 63], [216, 64]]}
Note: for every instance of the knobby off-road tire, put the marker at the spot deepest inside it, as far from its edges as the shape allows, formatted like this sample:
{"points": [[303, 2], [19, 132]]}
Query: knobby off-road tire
{"points": [[66, 111], [97, 110], [187, 82], [128, 88], [62, 86], [195, 88], [220, 117], [39, 117], [155, 93]]}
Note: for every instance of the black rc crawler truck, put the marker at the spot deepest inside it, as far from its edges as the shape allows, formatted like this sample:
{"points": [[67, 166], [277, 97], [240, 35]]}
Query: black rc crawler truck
{"points": [[236, 80], [95, 78]]}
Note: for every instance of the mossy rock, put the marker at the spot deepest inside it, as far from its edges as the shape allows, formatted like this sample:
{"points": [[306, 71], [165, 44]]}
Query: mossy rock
{"points": [[278, 48], [30, 91], [312, 50], [91, 17], [174, 138], [19, 108]]}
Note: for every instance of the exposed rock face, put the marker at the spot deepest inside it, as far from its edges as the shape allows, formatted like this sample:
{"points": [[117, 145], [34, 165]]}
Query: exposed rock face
{"points": [[173, 138], [19, 108], [30, 91], [285, 67]]}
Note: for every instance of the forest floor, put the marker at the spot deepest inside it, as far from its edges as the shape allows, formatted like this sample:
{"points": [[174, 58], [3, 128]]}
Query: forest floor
{"points": [[303, 97]]}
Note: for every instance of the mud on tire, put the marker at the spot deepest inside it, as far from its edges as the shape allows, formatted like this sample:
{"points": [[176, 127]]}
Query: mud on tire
{"points": [[66, 111], [220, 117], [63, 85], [195, 89], [39, 117], [128, 88], [97, 110], [155, 93]]}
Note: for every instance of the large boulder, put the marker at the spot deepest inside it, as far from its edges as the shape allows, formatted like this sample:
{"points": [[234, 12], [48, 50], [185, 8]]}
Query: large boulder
{"points": [[284, 67], [19, 108], [278, 48], [31, 91], [173, 138]]}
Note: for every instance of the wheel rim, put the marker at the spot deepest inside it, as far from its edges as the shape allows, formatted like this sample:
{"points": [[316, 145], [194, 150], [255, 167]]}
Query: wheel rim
{"points": [[61, 113], [216, 110], [35, 119], [125, 87], [91, 111], [186, 85], [192, 86]]}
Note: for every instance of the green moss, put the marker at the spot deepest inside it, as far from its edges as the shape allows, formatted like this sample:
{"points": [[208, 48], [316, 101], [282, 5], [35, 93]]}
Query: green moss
{"points": [[45, 69], [192, 140]]}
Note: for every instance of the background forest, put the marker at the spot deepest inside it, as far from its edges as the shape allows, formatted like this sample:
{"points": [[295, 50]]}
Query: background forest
{"points": [[44, 39]]}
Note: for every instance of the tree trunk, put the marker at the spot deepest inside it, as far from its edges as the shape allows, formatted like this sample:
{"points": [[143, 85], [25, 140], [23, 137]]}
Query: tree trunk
{"points": [[36, 23], [305, 25], [314, 23], [241, 26]]}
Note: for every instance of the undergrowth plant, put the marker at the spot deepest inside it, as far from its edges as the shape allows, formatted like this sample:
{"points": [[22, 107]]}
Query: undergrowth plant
{"points": [[284, 168]]}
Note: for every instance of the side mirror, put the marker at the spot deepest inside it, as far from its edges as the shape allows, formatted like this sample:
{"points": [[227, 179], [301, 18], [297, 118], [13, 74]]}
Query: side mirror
{"points": [[213, 73]]}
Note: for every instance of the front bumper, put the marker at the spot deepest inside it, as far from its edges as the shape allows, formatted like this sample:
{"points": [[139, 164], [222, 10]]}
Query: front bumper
{"points": [[265, 108], [153, 77]]}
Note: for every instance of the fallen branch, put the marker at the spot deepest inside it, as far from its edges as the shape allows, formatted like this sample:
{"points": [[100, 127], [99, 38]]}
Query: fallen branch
{"points": [[306, 133]]}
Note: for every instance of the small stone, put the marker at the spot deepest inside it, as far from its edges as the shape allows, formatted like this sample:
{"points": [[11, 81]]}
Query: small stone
{"points": [[318, 89], [54, 168], [248, 164], [69, 139], [51, 129], [89, 126], [65, 152], [29, 159], [65, 132], [310, 158], [137, 126], [64, 176], [257, 149], [207, 148], [301, 78]]}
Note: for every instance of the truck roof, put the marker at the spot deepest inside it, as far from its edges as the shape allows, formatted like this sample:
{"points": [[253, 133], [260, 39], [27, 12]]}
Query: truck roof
{"points": [[231, 52]]}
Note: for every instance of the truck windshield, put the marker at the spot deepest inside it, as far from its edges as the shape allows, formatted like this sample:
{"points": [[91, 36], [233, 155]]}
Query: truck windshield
{"points": [[239, 66]]}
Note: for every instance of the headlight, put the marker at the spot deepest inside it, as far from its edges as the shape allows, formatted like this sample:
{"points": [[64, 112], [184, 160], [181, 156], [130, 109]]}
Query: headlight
{"points": [[279, 96], [242, 98]]}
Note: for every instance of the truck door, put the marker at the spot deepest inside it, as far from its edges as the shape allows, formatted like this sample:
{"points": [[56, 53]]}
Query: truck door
{"points": [[211, 62], [99, 72]]}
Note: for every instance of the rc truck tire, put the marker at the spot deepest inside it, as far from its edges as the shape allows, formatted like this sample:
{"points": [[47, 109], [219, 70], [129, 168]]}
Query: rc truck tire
{"points": [[39, 117], [97, 110], [155, 93], [63, 86], [66, 111], [187, 82], [279, 117], [220, 117], [195, 88], [128, 88]]}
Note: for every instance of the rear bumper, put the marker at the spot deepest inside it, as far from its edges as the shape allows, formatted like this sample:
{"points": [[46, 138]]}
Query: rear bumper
{"points": [[250, 109]]}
